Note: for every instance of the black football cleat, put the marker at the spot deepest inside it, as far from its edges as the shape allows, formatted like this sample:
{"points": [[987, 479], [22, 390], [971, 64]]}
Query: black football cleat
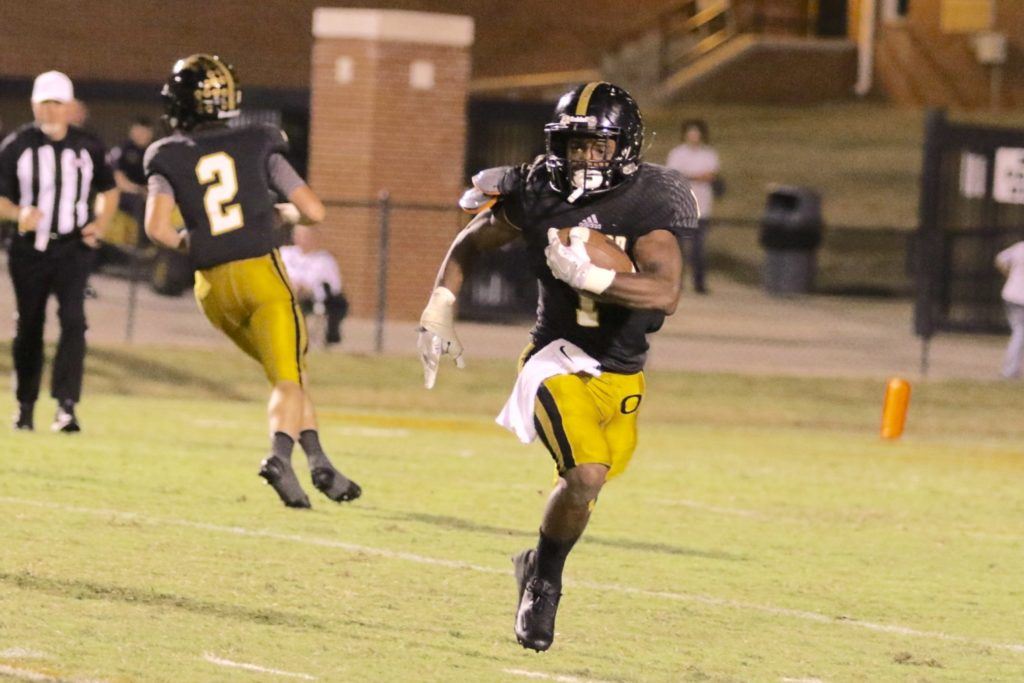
{"points": [[24, 418], [281, 476], [538, 604], [65, 421], [335, 485]]}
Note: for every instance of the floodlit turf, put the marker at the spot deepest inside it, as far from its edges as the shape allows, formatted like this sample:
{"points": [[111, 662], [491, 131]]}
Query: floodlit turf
{"points": [[764, 533]]}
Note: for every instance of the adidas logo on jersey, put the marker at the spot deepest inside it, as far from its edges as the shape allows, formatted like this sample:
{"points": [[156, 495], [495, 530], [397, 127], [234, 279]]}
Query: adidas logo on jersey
{"points": [[591, 222]]}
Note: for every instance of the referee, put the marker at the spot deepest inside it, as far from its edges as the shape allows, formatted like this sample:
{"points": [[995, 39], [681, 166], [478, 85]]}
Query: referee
{"points": [[55, 182]]}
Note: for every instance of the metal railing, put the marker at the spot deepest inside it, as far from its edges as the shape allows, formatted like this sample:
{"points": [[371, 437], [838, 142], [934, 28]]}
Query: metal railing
{"points": [[684, 31], [384, 206]]}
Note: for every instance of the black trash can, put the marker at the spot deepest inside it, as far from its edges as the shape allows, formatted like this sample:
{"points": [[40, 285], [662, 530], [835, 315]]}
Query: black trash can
{"points": [[791, 232]]}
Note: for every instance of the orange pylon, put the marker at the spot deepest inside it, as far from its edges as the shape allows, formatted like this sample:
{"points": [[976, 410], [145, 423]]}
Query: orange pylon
{"points": [[894, 410]]}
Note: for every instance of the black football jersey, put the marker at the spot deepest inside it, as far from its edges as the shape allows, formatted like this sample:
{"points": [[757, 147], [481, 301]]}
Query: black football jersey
{"points": [[222, 187], [654, 198]]}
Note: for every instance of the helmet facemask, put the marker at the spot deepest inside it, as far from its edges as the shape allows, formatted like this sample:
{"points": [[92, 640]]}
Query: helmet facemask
{"points": [[585, 159]]}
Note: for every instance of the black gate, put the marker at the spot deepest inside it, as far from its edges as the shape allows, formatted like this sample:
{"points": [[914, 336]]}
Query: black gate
{"points": [[502, 288], [972, 206]]}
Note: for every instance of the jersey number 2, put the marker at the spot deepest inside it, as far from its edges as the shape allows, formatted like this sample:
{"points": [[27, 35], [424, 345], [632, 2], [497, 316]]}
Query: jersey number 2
{"points": [[219, 169]]}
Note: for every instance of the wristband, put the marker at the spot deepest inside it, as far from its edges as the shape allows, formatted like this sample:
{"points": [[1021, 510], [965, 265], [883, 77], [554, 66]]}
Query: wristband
{"points": [[596, 280]]}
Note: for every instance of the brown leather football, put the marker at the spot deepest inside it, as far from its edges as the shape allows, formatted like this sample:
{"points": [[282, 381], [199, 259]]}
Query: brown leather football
{"points": [[603, 251]]}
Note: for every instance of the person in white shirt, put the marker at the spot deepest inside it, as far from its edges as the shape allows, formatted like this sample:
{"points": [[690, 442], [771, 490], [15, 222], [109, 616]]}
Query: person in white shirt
{"points": [[315, 275], [698, 163], [1010, 262]]}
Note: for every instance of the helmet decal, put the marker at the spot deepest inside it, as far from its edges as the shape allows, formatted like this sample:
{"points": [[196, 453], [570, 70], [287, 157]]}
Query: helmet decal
{"points": [[201, 88]]}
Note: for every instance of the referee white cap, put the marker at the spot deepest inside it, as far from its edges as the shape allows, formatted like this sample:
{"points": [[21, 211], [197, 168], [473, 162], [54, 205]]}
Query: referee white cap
{"points": [[52, 85]]}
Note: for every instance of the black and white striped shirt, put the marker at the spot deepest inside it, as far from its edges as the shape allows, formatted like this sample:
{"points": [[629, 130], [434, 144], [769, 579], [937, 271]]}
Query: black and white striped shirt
{"points": [[60, 178]]}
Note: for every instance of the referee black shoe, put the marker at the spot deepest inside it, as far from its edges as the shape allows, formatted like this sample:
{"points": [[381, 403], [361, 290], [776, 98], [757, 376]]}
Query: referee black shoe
{"points": [[538, 604], [281, 476], [65, 420], [23, 419], [335, 485]]}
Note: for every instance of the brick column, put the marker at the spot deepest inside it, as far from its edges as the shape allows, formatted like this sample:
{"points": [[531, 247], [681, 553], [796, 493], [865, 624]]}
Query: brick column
{"points": [[388, 113]]}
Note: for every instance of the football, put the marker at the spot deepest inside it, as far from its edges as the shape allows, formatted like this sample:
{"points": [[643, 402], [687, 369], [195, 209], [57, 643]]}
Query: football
{"points": [[602, 250]]}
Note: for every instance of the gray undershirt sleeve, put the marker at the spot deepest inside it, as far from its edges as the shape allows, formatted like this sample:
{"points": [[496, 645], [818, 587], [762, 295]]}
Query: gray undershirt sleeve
{"points": [[283, 177], [159, 185]]}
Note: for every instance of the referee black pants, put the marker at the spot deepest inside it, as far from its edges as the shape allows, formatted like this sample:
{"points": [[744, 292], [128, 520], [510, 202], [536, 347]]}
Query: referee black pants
{"points": [[63, 270]]}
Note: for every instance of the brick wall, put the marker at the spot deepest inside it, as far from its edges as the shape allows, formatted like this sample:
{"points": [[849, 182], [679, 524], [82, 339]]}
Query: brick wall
{"points": [[269, 41], [376, 133]]}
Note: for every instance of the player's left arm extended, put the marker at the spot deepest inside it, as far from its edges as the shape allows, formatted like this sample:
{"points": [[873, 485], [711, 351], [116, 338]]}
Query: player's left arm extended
{"points": [[655, 285]]}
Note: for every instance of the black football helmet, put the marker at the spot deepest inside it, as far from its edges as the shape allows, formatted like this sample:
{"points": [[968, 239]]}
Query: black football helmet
{"points": [[594, 110], [201, 88]]}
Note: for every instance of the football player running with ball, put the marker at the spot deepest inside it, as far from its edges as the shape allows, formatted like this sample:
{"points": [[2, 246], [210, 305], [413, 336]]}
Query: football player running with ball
{"points": [[581, 381], [222, 179]]}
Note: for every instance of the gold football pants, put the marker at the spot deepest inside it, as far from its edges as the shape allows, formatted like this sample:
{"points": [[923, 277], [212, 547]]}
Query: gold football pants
{"points": [[583, 419], [251, 302]]}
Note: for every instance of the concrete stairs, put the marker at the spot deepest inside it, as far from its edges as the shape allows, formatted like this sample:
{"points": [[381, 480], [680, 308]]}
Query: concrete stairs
{"points": [[767, 69]]}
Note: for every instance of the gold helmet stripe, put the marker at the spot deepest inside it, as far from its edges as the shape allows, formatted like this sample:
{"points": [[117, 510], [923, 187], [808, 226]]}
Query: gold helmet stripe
{"points": [[584, 101]]}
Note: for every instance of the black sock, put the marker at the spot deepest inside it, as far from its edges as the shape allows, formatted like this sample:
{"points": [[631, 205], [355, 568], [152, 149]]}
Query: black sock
{"points": [[551, 554], [281, 446], [309, 439]]}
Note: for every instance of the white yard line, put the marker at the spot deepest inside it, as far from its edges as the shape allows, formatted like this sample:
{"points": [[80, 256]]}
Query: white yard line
{"points": [[260, 533], [38, 677], [220, 661], [22, 653], [541, 676], [456, 564], [25, 674]]}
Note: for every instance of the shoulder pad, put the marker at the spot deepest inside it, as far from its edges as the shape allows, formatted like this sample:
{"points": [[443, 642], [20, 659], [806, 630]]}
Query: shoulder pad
{"points": [[154, 149], [486, 190], [278, 138]]}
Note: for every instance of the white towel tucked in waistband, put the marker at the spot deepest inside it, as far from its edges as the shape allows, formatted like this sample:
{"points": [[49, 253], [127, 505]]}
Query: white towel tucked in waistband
{"points": [[560, 357]]}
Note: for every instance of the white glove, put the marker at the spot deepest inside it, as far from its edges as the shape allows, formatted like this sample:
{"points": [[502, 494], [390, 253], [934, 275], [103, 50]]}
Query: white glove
{"points": [[437, 334], [572, 264]]}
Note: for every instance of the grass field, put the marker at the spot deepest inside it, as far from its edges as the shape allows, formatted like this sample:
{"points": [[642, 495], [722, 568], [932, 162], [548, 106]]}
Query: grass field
{"points": [[764, 533]]}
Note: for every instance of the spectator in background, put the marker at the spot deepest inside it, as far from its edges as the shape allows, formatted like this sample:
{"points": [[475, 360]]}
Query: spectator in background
{"points": [[126, 160], [1010, 263], [696, 161], [317, 280]]}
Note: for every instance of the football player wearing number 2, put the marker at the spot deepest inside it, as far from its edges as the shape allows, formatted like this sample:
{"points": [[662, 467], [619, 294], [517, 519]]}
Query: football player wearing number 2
{"points": [[581, 379], [221, 178]]}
